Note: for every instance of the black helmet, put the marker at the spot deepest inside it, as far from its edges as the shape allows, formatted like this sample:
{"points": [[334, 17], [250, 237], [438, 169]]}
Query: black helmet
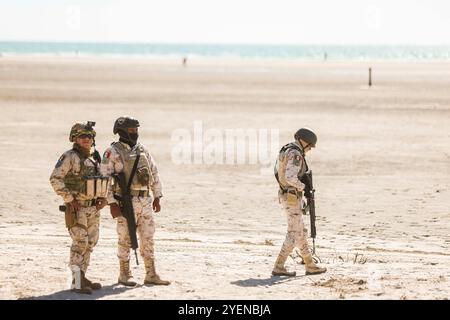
{"points": [[121, 127], [123, 123], [306, 135]]}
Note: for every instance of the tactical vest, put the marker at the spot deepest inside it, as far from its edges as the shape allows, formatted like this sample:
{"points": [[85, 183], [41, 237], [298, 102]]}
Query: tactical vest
{"points": [[143, 177], [280, 165], [88, 182]]}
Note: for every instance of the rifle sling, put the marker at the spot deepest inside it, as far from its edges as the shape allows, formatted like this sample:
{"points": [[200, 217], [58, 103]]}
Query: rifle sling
{"points": [[133, 171]]}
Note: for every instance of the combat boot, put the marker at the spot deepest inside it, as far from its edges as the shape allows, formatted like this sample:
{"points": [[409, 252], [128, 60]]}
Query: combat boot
{"points": [[77, 284], [311, 267], [280, 270], [85, 282], [125, 276], [151, 277], [82, 290]]}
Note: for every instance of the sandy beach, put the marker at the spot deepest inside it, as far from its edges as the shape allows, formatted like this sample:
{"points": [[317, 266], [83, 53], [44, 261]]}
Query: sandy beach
{"points": [[381, 170]]}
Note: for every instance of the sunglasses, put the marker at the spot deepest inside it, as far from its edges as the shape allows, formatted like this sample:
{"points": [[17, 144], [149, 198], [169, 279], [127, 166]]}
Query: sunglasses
{"points": [[85, 136]]}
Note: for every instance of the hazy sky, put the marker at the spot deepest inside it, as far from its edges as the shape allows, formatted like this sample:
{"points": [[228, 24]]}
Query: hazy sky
{"points": [[229, 21]]}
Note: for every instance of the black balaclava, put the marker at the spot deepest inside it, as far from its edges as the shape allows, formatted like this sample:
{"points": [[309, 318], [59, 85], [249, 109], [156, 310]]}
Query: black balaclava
{"points": [[128, 138]]}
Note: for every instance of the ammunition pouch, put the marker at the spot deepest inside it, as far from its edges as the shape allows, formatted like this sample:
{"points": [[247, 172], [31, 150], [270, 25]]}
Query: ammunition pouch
{"points": [[292, 195], [143, 176], [90, 186], [74, 183], [96, 186]]}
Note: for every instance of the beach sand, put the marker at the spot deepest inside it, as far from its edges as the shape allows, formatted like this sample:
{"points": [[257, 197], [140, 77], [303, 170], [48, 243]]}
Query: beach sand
{"points": [[381, 172]]}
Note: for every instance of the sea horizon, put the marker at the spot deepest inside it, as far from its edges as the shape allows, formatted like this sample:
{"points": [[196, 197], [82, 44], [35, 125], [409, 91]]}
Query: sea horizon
{"points": [[312, 52]]}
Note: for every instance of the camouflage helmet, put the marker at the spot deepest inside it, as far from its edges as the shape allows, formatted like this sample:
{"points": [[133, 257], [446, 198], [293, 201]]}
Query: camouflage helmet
{"points": [[81, 128], [123, 123], [307, 135]]}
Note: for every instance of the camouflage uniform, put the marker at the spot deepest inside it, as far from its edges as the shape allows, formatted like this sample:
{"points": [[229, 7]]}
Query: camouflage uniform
{"points": [[291, 166], [85, 232], [145, 226], [113, 162], [296, 232], [76, 178]]}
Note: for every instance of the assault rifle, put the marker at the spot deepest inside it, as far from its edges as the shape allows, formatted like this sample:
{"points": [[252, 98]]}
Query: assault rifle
{"points": [[126, 207], [307, 180]]}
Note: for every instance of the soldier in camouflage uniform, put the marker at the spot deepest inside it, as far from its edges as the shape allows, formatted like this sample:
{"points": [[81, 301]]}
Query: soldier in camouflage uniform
{"points": [[120, 157], [74, 177], [289, 169]]}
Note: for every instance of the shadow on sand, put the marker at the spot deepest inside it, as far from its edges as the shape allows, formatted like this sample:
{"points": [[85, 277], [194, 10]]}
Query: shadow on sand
{"points": [[273, 280], [70, 295]]}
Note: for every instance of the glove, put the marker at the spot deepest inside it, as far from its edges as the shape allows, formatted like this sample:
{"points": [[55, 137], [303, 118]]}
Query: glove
{"points": [[156, 205], [306, 181], [115, 210]]}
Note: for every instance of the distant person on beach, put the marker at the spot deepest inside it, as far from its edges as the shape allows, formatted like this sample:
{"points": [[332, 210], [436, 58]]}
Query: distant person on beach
{"points": [[184, 61], [76, 179], [130, 161], [289, 170]]}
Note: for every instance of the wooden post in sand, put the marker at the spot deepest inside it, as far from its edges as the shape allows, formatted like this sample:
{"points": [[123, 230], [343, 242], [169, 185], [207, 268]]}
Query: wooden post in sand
{"points": [[370, 77]]}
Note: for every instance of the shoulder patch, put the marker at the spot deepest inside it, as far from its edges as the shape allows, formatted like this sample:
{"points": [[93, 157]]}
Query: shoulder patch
{"points": [[297, 161], [60, 161], [106, 156]]}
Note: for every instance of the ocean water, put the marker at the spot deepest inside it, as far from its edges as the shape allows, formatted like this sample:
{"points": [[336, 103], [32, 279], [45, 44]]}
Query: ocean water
{"points": [[302, 52]]}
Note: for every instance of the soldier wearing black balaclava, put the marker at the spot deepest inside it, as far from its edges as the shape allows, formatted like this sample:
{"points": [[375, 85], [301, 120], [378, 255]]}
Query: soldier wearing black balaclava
{"points": [[145, 189]]}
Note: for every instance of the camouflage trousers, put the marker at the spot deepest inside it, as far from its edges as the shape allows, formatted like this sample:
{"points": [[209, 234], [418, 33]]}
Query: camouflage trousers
{"points": [[84, 237], [145, 229], [296, 231]]}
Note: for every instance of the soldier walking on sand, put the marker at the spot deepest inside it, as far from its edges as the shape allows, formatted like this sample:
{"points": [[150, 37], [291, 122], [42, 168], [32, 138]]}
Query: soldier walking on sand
{"points": [[289, 169]]}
